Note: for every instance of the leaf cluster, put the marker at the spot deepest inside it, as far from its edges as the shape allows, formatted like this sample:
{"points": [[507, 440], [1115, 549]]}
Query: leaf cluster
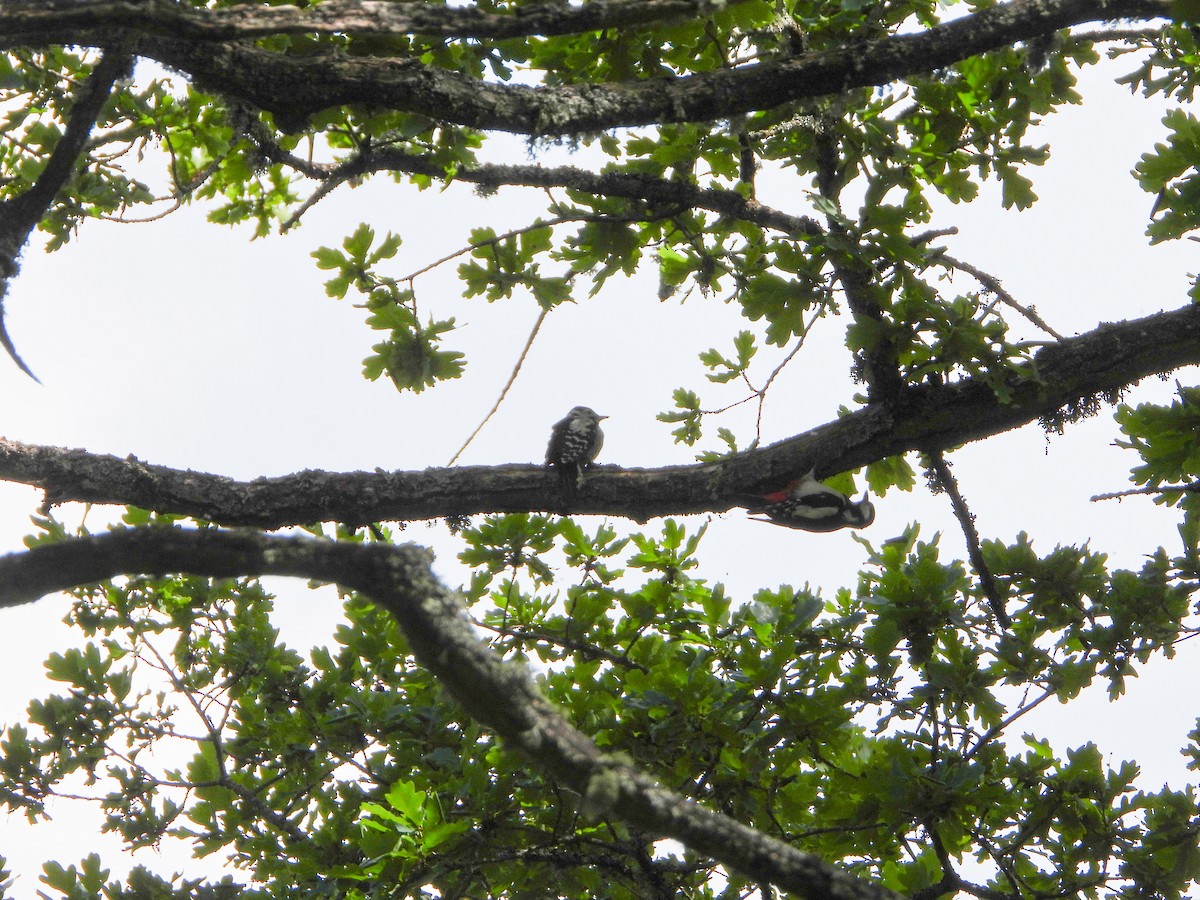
{"points": [[411, 356], [873, 728]]}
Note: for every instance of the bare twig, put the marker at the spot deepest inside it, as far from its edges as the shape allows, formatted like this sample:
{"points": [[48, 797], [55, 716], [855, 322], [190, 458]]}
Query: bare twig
{"points": [[1191, 488], [489, 242], [992, 284], [762, 392], [999, 727], [508, 384]]}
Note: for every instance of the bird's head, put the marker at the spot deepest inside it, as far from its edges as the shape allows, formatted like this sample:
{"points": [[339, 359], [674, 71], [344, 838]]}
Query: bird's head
{"points": [[861, 513], [586, 412]]}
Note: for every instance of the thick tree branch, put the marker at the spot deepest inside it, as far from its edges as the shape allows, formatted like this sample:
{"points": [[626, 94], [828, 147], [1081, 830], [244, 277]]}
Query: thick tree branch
{"points": [[501, 696], [294, 88], [928, 418], [34, 19]]}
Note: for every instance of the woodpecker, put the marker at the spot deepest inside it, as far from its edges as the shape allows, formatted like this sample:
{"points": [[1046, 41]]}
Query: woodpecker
{"points": [[575, 441], [811, 506]]}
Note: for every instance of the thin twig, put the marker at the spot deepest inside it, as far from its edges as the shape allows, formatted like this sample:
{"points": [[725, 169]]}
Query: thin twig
{"points": [[926, 236], [517, 232], [992, 284], [1004, 723], [490, 242], [511, 378], [173, 208], [762, 392], [586, 650], [324, 189], [1191, 488]]}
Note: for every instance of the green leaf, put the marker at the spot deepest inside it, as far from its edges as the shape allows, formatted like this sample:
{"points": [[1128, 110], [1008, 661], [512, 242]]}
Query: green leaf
{"points": [[407, 801], [358, 244]]}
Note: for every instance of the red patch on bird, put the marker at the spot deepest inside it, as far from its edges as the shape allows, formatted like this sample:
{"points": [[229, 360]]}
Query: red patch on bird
{"points": [[780, 496]]}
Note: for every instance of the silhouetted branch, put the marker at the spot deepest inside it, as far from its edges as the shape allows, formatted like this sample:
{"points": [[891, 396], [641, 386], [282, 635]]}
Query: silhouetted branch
{"points": [[1156, 491], [296, 87], [32, 20], [945, 480], [926, 417], [500, 695], [992, 284], [19, 215]]}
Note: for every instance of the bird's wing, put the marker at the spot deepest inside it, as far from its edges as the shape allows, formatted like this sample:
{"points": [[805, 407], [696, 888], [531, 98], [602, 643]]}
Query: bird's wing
{"points": [[818, 525], [821, 503], [555, 448]]}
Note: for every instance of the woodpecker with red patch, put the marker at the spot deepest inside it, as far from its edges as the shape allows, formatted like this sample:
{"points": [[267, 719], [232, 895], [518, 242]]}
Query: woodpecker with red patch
{"points": [[811, 506], [575, 442]]}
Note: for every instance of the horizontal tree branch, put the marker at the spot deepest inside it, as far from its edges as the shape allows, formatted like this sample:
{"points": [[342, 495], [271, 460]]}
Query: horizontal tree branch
{"points": [[645, 188], [500, 695], [927, 418], [33, 19], [294, 88], [653, 191]]}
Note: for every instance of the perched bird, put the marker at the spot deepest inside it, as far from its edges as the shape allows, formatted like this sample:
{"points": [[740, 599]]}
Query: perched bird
{"points": [[811, 506], [575, 441]]}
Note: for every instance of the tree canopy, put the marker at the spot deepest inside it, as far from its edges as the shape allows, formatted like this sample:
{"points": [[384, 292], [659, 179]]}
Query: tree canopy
{"points": [[590, 714]]}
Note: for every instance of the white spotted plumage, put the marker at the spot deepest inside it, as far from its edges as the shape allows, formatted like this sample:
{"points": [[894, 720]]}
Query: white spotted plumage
{"points": [[575, 442]]}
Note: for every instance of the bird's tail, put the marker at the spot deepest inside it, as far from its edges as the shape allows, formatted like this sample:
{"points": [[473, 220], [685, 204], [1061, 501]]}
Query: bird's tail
{"points": [[756, 503], [569, 479]]}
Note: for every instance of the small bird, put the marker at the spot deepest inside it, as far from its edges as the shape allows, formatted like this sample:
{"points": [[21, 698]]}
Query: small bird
{"points": [[575, 441], [811, 506]]}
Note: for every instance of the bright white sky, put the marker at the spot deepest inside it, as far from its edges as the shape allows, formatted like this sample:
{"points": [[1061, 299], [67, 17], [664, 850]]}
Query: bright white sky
{"points": [[189, 346]]}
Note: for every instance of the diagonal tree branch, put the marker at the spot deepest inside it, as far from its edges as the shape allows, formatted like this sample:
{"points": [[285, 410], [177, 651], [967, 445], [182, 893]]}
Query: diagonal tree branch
{"points": [[500, 695], [944, 480], [294, 88], [19, 215], [928, 418]]}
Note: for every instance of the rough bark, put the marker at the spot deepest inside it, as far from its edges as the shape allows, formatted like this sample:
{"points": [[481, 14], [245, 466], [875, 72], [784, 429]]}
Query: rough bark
{"points": [[500, 695], [927, 418], [32, 20], [294, 88]]}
